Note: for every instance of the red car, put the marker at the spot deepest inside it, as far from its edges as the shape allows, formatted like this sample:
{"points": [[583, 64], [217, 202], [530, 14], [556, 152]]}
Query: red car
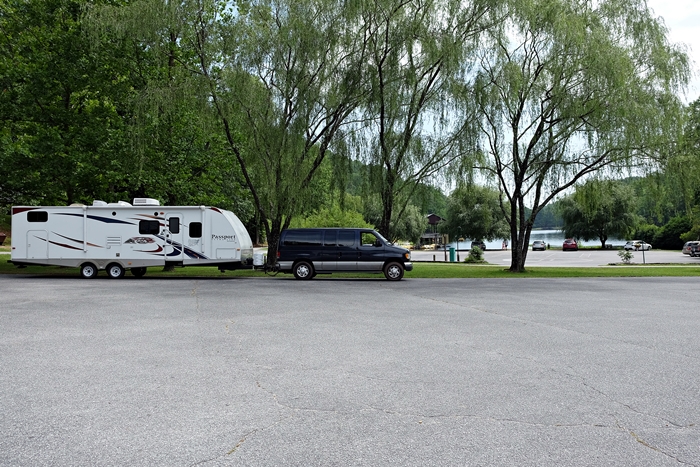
{"points": [[570, 244]]}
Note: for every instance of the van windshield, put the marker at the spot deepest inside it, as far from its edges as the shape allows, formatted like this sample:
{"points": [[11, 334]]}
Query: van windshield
{"points": [[382, 238]]}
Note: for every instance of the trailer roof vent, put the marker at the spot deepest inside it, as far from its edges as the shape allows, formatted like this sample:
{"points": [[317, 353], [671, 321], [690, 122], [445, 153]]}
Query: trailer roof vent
{"points": [[146, 202], [97, 202], [119, 203]]}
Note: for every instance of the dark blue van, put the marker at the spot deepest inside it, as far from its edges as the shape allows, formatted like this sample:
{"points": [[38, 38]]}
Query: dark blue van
{"points": [[307, 252]]}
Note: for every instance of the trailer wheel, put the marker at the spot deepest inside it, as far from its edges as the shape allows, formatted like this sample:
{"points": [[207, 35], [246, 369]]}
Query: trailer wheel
{"points": [[393, 271], [303, 270], [138, 272], [115, 271], [88, 271]]}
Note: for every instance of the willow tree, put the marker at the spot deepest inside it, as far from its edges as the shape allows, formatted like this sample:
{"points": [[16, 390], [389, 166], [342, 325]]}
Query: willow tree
{"points": [[415, 49], [568, 88], [283, 78]]}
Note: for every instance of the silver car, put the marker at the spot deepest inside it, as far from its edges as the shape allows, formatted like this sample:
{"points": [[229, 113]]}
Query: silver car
{"points": [[637, 245]]}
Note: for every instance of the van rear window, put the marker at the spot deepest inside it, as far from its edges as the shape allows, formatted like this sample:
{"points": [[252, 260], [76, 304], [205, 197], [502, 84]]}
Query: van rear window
{"points": [[303, 237]]}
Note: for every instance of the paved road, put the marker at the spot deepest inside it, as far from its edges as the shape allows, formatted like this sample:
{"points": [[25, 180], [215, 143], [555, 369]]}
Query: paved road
{"points": [[337, 372], [581, 258]]}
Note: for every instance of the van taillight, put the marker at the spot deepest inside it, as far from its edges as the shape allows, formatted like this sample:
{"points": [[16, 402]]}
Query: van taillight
{"points": [[278, 255]]}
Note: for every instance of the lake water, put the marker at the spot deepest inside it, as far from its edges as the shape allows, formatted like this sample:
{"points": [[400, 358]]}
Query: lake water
{"points": [[554, 237]]}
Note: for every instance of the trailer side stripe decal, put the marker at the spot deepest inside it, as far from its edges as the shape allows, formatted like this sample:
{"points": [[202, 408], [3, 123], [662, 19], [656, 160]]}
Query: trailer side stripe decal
{"points": [[75, 240], [64, 245], [107, 220]]}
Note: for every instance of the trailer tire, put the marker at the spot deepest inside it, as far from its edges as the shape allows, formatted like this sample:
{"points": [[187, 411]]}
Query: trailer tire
{"points": [[138, 272], [303, 270], [115, 271], [393, 271], [88, 271]]}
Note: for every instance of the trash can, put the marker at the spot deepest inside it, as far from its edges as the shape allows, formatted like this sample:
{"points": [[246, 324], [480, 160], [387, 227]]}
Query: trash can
{"points": [[452, 254]]}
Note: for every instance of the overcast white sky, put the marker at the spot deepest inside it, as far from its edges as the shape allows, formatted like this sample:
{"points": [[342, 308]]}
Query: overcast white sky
{"points": [[682, 17]]}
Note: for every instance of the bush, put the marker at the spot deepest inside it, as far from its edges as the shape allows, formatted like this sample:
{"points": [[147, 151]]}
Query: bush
{"points": [[668, 237], [647, 233], [625, 255], [476, 255]]}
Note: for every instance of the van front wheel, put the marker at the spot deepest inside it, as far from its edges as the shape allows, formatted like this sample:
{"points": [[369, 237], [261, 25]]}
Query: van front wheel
{"points": [[393, 271], [303, 270]]}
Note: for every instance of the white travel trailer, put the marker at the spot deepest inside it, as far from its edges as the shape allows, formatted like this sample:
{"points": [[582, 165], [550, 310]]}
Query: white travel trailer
{"points": [[121, 236]]}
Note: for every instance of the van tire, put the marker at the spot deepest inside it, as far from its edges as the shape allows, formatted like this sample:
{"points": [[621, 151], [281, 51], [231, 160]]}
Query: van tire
{"points": [[303, 270], [138, 272], [115, 271], [393, 271], [88, 271]]}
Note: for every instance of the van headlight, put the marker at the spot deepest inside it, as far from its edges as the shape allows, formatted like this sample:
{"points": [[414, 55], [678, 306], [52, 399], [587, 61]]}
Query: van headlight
{"points": [[407, 255]]}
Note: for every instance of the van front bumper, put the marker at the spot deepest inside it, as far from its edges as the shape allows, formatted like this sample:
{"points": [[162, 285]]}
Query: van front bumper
{"points": [[408, 266]]}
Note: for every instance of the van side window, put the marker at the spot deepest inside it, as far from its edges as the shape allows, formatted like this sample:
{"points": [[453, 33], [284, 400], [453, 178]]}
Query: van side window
{"points": [[329, 237], [195, 229], [174, 225], [346, 238], [303, 237], [149, 227], [37, 216], [369, 239]]}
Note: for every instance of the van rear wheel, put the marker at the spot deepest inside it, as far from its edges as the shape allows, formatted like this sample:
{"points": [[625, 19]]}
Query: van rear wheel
{"points": [[393, 271], [88, 271], [303, 270]]}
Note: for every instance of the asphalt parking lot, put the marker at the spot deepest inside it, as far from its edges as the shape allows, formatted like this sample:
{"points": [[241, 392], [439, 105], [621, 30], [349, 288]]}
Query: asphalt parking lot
{"points": [[338, 372]]}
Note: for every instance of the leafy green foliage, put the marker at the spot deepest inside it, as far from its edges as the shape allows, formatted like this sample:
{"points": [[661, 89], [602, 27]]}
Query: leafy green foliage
{"points": [[669, 236], [599, 209], [333, 216], [474, 211], [409, 226]]}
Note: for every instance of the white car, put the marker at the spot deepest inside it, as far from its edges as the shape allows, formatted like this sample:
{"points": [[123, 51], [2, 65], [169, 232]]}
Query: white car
{"points": [[637, 245]]}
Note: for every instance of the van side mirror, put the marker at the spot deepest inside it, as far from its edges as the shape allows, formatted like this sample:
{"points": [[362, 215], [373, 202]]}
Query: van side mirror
{"points": [[378, 243]]}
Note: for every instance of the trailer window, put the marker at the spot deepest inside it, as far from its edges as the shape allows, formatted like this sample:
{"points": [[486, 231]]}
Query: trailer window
{"points": [[174, 225], [195, 229], [149, 227], [37, 216]]}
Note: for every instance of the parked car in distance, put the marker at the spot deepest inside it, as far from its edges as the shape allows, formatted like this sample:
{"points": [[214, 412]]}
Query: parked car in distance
{"points": [[637, 245], [695, 249], [687, 247], [478, 243], [570, 245], [539, 245]]}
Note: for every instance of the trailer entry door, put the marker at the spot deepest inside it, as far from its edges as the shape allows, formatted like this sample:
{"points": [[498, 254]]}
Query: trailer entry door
{"points": [[174, 248]]}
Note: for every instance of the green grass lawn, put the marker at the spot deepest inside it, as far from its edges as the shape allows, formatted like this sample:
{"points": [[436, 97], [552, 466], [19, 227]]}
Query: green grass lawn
{"points": [[420, 270]]}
